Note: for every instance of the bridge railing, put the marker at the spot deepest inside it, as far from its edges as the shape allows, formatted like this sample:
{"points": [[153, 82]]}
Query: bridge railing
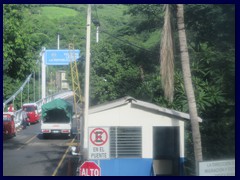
{"points": [[62, 95]]}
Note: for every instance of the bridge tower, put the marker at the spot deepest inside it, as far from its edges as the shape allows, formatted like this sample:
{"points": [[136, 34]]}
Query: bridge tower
{"points": [[78, 103]]}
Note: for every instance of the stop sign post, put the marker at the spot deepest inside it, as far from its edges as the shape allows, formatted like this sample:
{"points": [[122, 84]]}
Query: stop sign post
{"points": [[90, 168]]}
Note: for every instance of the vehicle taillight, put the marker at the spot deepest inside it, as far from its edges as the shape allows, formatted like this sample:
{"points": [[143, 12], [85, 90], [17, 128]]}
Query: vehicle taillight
{"points": [[46, 131], [66, 131]]}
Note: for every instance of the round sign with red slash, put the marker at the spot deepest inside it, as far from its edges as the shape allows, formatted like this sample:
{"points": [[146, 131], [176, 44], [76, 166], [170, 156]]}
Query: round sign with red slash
{"points": [[98, 136]]}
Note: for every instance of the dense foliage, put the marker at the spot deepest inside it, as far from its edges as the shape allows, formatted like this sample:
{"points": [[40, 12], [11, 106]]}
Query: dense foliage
{"points": [[126, 60]]}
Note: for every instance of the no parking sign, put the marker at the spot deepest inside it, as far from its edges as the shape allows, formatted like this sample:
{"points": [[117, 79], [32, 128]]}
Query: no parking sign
{"points": [[98, 146]]}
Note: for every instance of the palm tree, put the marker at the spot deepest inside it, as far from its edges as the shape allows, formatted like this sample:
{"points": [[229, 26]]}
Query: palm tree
{"points": [[167, 56], [166, 65]]}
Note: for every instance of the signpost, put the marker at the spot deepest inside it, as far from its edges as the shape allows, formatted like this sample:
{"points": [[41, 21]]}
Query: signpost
{"points": [[55, 57], [90, 168], [217, 168], [59, 57], [98, 143]]}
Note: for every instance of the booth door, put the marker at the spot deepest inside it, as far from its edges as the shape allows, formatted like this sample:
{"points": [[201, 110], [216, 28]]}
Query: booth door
{"points": [[166, 153]]}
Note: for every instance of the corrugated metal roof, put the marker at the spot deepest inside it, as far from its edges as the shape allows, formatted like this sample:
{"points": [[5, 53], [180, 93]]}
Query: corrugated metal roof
{"points": [[133, 101]]}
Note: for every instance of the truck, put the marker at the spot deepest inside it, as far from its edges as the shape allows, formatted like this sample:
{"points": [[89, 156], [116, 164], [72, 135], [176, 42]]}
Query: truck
{"points": [[57, 118]]}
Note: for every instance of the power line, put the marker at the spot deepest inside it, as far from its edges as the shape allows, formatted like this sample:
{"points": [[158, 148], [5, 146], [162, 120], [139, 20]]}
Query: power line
{"points": [[124, 41], [96, 13], [127, 42], [96, 21]]}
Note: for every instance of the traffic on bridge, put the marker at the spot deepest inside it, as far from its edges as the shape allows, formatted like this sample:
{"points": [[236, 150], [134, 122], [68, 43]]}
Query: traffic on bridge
{"points": [[107, 101], [29, 153]]}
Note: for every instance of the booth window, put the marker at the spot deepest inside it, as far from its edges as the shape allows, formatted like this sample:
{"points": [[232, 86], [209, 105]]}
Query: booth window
{"points": [[126, 142]]}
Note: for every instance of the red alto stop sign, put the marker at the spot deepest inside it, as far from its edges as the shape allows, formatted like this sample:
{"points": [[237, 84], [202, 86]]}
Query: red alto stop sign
{"points": [[90, 168]]}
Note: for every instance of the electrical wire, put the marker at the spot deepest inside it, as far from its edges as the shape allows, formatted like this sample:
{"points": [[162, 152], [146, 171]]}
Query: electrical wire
{"points": [[96, 13], [124, 41]]}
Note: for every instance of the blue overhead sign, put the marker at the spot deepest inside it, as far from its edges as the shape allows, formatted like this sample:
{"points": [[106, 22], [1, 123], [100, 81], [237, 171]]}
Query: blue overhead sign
{"points": [[60, 57]]}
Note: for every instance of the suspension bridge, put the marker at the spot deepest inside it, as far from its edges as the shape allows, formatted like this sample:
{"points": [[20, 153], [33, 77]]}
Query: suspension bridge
{"points": [[49, 57]]}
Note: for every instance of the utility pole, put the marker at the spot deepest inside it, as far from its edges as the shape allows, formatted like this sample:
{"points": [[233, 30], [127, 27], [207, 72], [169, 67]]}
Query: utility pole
{"points": [[39, 80], [58, 42], [97, 34], [43, 73], [28, 90], [87, 76], [97, 24]]}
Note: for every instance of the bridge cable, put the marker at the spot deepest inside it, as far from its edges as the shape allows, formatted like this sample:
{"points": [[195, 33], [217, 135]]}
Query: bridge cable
{"points": [[28, 91], [18, 91], [21, 99]]}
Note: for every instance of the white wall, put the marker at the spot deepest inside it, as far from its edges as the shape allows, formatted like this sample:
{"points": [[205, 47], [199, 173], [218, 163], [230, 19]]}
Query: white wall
{"points": [[127, 115]]}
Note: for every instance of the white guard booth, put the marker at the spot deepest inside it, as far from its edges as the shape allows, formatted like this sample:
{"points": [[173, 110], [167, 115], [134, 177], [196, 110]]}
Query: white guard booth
{"points": [[144, 139]]}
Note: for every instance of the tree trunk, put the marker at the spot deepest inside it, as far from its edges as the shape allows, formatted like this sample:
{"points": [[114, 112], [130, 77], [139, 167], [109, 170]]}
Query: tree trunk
{"points": [[188, 85]]}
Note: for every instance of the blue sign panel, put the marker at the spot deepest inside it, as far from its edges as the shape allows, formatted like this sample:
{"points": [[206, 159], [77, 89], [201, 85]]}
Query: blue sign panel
{"points": [[60, 57]]}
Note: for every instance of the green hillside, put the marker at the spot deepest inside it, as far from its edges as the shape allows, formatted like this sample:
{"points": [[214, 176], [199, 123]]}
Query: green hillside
{"points": [[103, 13], [69, 20], [57, 12]]}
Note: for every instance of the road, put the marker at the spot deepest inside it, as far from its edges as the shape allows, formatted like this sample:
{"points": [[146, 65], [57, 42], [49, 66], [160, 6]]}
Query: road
{"points": [[28, 154]]}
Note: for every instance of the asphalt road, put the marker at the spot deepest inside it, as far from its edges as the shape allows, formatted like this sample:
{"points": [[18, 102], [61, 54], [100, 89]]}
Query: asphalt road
{"points": [[28, 154]]}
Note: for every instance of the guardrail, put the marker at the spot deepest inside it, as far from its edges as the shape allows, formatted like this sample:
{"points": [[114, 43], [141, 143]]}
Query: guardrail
{"points": [[62, 95]]}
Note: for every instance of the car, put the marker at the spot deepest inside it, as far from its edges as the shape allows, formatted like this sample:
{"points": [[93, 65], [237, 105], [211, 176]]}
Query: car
{"points": [[32, 112], [9, 129]]}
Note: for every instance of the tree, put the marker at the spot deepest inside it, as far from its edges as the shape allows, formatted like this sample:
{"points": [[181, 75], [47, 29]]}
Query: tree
{"points": [[112, 74], [19, 53], [167, 58], [212, 48], [188, 84]]}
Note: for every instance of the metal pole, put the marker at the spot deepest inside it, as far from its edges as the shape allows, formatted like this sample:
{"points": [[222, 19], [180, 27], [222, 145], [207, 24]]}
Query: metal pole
{"points": [[46, 81], [87, 76], [43, 74], [55, 83], [51, 83], [58, 42], [39, 82], [21, 99], [97, 34], [34, 86], [13, 102], [28, 91]]}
